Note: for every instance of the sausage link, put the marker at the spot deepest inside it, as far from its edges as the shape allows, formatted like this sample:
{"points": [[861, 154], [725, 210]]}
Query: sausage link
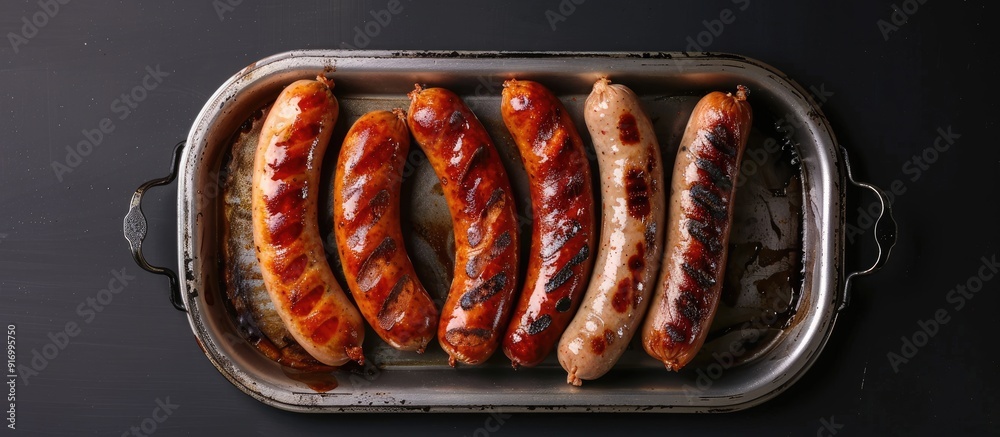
{"points": [[628, 257], [479, 197], [286, 234], [562, 233], [369, 238], [701, 213]]}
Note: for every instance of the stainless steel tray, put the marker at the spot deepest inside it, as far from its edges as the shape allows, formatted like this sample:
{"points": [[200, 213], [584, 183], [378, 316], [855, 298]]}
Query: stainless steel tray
{"points": [[785, 281]]}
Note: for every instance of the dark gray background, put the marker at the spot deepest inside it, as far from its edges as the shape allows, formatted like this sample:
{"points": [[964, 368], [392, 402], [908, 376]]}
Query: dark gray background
{"points": [[61, 239]]}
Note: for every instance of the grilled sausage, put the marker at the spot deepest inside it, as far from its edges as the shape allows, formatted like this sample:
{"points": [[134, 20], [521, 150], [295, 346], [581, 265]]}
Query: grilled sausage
{"points": [[562, 233], [478, 194], [628, 158], [700, 216], [285, 230], [369, 238]]}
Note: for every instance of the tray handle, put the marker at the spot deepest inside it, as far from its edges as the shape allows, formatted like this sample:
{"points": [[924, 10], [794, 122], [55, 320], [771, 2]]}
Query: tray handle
{"points": [[885, 231], [135, 228]]}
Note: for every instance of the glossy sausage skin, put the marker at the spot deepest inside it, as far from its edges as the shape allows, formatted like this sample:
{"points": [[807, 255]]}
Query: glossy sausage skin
{"points": [[479, 197], [286, 234], [562, 233], [369, 239], [628, 157], [701, 213]]}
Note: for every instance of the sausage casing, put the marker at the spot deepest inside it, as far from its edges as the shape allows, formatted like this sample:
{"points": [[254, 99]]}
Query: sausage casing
{"points": [[628, 157], [284, 196], [369, 238], [562, 233], [479, 197], [700, 217]]}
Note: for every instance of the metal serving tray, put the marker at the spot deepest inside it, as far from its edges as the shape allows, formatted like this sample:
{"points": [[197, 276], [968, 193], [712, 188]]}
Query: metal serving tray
{"points": [[785, 278]]}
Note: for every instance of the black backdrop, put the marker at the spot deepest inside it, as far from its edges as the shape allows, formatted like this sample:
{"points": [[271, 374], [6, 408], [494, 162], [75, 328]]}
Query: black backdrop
{"points": [[894, 75]]}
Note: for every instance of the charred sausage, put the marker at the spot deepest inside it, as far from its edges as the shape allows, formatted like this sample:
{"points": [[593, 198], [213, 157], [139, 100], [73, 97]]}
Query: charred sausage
{"points": [[701, 213]]}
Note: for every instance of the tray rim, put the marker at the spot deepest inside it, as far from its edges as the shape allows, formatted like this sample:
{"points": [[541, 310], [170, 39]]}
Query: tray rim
{"points": [[222, 101]]}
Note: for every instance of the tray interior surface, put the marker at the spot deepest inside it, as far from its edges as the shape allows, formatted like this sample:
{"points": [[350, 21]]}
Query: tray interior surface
{"points": [[782, 274]]}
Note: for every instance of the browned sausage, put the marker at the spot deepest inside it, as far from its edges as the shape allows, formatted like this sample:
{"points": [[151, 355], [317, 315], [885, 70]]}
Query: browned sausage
{"points": [[562, 233], [369, 239], [700, 215], [286, 234], [628, 157], [478, 194]]}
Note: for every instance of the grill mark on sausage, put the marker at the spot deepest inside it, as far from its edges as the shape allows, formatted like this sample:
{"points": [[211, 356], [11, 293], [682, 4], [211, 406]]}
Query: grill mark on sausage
{"points": [[483, 291], [301, 304], [470, 337], [371, 269], [703, 279], [719, 178], [707, 238], [391, 308], [478, 158], [540, 324], [676, 335], [563, 304], [719, 138], [560, 237], [379, 203], [566, 272], [293, 269], [628, 131], [708, 200], [688, 305], [637, 193], [620, 300]]}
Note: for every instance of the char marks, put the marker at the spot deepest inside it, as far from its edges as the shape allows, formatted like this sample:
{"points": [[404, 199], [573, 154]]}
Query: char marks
{"points": [[540, 324], [719, 177], [711, 202], [566, 272], [719, 139], [704, 234], [393, 307], [699, 276], [483, 292], [637, 193], [371, 269]]}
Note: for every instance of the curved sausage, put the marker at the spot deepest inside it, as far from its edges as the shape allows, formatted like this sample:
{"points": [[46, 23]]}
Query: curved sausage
{"points": [[478, 194], [628, 257], [562, 234], [369, 239], [285, 230], [701, 213]]}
